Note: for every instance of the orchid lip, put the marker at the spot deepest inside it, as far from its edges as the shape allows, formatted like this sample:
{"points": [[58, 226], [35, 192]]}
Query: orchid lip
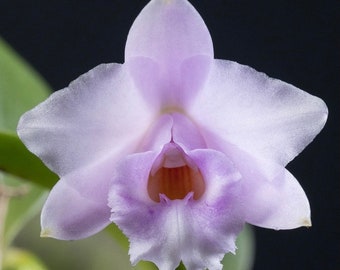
{"points": [[174, 175]]}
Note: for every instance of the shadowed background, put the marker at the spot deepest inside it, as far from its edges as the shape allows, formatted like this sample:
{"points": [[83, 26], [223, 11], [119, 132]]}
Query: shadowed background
{"points": [[295, 41]]}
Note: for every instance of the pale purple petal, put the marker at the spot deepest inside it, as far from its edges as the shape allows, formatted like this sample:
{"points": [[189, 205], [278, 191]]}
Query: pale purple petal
{"points": [[198, 232], [158, 134], [77, 205], [186, 134], [69, 215], [168, 32], [277, 204], [168, 52], [100, 113], [220, 174], [172, 126], [267, 118], [271, 197]]}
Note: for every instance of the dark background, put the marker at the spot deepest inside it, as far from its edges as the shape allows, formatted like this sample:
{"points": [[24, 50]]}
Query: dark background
{"points": [[295, 41]]}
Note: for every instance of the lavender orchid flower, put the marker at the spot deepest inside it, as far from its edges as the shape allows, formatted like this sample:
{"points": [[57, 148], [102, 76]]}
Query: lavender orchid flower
{"points": [[179, 149]]}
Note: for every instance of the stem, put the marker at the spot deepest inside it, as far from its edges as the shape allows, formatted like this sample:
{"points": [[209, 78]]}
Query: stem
{"points": [[6, 193], [4, 202]]}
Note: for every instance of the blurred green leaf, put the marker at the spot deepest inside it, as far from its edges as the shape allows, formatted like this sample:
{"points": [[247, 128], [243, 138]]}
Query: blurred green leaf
{"points": [[181, 266], [22, 207], [19, 259], [121, 239], [21, 88], [99, 251], [17, 160], [117, 234], [243, 260]]}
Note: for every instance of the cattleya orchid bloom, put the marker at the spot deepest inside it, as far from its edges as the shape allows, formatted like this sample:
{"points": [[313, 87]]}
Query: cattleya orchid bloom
{"points": [[178, 149]]}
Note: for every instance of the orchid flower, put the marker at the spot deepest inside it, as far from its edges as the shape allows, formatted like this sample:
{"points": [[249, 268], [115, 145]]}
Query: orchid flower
{"points": [[177, 148]]}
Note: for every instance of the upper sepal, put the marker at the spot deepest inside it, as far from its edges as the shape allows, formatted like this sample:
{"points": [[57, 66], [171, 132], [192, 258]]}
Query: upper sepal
{"points": [[169, 52]]}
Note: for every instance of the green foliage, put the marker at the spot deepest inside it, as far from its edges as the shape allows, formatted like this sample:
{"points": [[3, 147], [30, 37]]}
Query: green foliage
{"points": [[17, 160], [20, 89], [22, 206], [243, 260], [18, 259]]}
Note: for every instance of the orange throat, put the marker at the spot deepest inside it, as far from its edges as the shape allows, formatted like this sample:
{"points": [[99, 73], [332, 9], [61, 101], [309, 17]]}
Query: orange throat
{"points": [[175, 183]]}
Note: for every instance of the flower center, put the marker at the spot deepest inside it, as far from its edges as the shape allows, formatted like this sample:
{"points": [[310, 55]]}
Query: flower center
{"points": [[175, 183]]}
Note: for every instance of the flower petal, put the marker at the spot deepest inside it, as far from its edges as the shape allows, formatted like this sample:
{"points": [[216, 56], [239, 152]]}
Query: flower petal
{"points": [[172, 126], [185, 133], [271, 196], [198, 232], [77, 205], [277, 204], [158, 134], [267, 118], [86, 121], [168, 32], [168, 52], [69, 215]]}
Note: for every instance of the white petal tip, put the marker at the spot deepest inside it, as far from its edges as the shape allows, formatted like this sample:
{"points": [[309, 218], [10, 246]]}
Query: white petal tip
{"points": [[46, 233], [306, 222]]}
